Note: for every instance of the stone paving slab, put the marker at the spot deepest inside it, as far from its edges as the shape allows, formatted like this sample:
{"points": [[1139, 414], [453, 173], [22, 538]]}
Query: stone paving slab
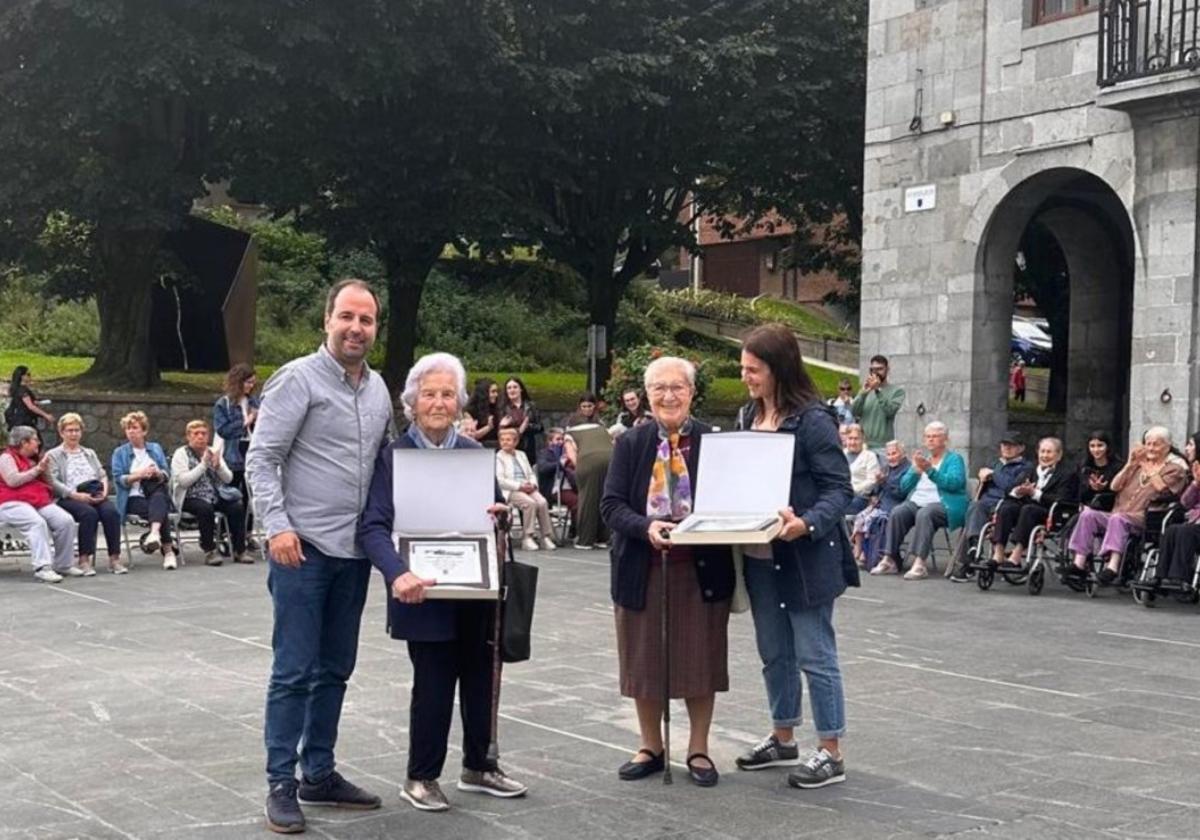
{"points": [[132, 708]]}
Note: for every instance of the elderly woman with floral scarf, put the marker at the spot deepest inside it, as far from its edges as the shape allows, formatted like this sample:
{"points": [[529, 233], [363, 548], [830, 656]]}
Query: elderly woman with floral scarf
{"points": [[648, 491]]}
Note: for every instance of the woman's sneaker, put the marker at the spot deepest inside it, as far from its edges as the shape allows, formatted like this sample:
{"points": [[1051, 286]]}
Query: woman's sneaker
{"points": [[529, 544], [492, 782], [769, 752], [818, 770], [424, 795], [47, 575]]}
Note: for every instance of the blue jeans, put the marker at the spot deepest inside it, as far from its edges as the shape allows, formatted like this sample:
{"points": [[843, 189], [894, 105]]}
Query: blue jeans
{"points": [[318, 608], [791, 641]]}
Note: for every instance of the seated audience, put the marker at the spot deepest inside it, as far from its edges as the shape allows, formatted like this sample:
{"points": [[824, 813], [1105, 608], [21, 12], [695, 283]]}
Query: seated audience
{"points": [[633, 409], [81, 485], [1048, 481], [935, 486], [1099, 467], [867, 532], [995, 481], [556, 474], [140, 471], [864, 468], [519, 485], [202, 485], [1181, 542], [1149, 476], [27, 505]]}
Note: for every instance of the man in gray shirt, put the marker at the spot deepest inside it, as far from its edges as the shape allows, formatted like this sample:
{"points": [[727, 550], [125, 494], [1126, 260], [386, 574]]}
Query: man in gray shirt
{"points": [[323, 420]]}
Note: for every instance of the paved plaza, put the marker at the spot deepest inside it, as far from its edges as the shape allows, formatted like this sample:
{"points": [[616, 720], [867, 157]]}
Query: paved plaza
{"points": [[132, 708]]}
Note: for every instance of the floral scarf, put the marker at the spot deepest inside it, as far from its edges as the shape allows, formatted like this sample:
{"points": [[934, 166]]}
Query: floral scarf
{"points": [[670, 493]]}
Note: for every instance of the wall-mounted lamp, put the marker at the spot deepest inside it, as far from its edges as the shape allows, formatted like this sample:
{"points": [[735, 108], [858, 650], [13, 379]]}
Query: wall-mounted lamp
{"points": [[1165, 397], [921, 409]]}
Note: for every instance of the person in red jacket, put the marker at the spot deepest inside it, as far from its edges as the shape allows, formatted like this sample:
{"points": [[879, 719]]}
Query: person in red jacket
{"points": [[1016, 380], [27, 505]]}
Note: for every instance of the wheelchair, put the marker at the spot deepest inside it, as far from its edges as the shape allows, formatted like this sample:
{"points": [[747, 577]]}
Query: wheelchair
{"points": [[1147, 589], [1138, 549], [1047, 549]]}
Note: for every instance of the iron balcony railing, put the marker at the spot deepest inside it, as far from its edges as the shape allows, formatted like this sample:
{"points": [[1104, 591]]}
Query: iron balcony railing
{"points": [[1141, 38]]}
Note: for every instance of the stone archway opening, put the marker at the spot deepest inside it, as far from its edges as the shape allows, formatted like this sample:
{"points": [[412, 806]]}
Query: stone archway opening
{"points": [[1067, 229]]}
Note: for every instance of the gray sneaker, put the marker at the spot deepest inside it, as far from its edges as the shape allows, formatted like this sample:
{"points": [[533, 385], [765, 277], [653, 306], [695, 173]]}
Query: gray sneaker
{"points": [[424, 795], [818, 770], [769, 753], [492, 782]]}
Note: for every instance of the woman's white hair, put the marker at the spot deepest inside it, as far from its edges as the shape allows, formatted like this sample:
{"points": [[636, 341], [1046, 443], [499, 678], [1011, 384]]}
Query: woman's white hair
{"points": [[937, 426], [17, 435], [434, 363], [1160, 432], [663, 362]]}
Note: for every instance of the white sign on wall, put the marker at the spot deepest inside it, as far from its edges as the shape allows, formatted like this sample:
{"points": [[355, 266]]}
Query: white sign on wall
{"points": [[919, 198]]}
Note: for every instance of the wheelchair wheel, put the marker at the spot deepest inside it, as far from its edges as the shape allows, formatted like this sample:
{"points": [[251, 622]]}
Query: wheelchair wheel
{"points": [[1091, 587], [984, 578], [145, 535], [1037, 579], [223, 546], [1143, 596]]}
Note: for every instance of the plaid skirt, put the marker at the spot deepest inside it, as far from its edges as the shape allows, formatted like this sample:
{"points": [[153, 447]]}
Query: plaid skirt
{"points": [[697, 634]]}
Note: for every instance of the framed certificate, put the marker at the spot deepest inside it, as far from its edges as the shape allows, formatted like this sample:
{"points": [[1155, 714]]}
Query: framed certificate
{"points": [[462, 566]]}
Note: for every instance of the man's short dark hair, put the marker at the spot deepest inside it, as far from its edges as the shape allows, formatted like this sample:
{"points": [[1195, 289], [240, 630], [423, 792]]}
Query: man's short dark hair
{"points": [[880, 360], [345, 283]]}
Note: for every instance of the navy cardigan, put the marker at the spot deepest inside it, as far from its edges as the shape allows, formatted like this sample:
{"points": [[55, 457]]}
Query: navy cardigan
{"points": [[818, 567], [433, 620], [623, 507]]}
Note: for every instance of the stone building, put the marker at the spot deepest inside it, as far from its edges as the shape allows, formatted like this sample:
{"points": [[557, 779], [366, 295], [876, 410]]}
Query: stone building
{"points": [[985, 116]]}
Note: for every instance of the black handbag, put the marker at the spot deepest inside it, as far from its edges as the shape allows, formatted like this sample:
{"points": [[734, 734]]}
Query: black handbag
{"points": [[520, 592]]}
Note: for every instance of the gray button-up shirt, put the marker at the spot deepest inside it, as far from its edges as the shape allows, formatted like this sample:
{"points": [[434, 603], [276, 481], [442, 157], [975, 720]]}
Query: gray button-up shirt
{"points": [[313, 452]]}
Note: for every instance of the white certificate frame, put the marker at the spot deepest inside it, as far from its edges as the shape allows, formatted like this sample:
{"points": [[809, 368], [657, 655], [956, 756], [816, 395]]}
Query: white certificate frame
{"points": [[488, 588]]}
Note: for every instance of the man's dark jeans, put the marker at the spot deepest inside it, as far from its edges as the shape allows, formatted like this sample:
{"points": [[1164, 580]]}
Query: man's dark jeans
{"points": [[318, 607]]}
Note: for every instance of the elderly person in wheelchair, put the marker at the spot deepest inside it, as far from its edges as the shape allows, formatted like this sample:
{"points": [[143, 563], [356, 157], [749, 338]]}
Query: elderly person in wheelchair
{"points": [[996, 481], [202, 485], [1048, 482], [1150, 475]]}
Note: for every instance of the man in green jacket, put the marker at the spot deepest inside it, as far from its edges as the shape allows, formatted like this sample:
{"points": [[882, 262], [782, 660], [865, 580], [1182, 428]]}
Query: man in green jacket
{"points": [[877, 403]]}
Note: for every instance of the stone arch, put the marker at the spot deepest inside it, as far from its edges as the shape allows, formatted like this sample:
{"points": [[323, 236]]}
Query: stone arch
{"points": [[1088, 217]]}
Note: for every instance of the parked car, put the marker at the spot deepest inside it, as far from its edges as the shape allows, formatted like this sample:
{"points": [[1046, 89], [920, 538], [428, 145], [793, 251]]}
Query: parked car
{"points": [[1030, 344]]}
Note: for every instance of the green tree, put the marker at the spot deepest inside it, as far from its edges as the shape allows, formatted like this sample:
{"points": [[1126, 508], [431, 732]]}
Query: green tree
{"points": [[642, 113], [112, 111]]}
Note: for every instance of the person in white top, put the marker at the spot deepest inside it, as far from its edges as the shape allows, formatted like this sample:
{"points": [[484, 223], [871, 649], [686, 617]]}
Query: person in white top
{"points": [[864, 464], [518, 481]]}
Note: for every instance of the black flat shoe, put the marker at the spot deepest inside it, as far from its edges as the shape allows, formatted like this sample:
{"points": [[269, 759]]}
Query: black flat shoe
{"points": [[632, 771], [1106, 576], [702, 776]]}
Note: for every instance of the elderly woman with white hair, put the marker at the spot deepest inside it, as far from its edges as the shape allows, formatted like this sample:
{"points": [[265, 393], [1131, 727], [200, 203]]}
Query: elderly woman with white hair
{"points": [[448, 640], [1150, 475], [935, 487], [27, 504], [648, 491]]}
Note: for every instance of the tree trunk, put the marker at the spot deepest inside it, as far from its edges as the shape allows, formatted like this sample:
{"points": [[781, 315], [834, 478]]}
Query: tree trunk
{"points": [[604, 293], [408, 265], [125, 357]]}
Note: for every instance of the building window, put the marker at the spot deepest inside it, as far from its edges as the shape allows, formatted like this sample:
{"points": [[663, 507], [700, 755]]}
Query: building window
{"points": [[1045, 11]]}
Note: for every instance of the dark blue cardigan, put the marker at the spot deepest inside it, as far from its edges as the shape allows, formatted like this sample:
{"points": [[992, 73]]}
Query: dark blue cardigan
{"points": [[434, 620], [623, 507], [816, 568]]}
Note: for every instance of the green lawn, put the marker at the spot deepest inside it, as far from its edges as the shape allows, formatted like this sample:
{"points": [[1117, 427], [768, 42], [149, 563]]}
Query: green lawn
{"points": [[551, 389]]}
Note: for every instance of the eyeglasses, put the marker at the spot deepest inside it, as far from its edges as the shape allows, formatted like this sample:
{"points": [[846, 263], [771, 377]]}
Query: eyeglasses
{"points": [[878, 370], [844, 390], [675, 389]]}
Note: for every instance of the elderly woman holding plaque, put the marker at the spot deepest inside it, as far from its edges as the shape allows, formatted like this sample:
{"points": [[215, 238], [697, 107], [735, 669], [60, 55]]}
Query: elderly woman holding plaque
{"points": [[448, 640], [794, 581], [648, 491]]}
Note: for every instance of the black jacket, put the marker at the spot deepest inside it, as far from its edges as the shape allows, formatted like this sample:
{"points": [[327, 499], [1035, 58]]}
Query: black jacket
{"points": [[1061, 486], [816, 568], [623, 508]]}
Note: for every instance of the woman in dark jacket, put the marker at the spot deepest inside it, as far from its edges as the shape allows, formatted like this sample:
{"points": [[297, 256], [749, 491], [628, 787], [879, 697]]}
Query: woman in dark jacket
{"points": [[448, 640], [648, 491], [1181, 542], [794, 581], [1096, 474], [484, 409], [518, 410]]}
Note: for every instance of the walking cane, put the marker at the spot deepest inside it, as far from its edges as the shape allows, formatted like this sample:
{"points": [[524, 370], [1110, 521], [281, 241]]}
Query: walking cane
{"points": [[666, 651], [493, 750]]}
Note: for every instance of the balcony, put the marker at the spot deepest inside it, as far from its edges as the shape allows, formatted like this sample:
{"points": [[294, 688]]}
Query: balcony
{"points": [[1143, 38]]}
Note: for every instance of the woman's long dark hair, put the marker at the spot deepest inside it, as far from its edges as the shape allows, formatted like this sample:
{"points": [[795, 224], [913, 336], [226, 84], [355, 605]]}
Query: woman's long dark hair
{"points": [[480, 405], [17, 375], [235, 381], [775, 345], [525, 400], [1105, 438]]}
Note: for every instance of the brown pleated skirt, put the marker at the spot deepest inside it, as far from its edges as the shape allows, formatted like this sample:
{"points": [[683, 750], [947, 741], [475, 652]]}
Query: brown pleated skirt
{"points": [[697, 633]]}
